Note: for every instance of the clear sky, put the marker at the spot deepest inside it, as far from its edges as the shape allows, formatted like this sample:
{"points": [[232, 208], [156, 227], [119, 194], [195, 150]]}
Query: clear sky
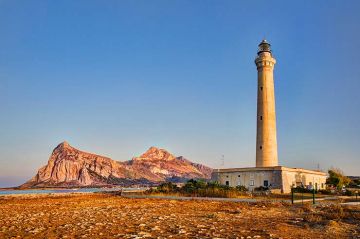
{"points": [[116, 77]]}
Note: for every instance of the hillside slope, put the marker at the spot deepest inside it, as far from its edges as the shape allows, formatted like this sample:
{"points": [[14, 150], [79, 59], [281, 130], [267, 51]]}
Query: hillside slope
{"points": [[68, 166]]}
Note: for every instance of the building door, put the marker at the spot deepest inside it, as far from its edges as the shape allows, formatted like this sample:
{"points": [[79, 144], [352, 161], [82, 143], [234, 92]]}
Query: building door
{"points": [[266, 183], [227, 183]]}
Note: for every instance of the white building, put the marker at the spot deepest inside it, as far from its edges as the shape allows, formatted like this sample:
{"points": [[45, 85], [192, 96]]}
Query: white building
{"points": [[276, 178]]}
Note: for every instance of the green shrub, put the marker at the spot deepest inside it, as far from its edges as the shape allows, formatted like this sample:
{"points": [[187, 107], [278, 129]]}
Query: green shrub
{"points": [[349, 193], [193, 185], [167, 187], [200, 188], [241, 188], [300, 189], [261, 189]]}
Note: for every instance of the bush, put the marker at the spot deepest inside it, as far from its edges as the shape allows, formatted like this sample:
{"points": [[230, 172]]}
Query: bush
{"points": [[313, 218], [325, 191], [167, 188], [261, 189], [193, 185], [241, 188], [302, 190], [334, 212], [349, 193], [214, 184], [200, 188], [355, 183]]}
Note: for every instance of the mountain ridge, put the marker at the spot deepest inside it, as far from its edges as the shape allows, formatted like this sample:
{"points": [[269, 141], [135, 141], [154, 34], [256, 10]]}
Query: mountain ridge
{"points": [[71, 167]]}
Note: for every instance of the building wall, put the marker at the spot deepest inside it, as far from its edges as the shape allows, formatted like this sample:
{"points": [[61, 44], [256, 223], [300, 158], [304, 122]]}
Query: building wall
{"points": [[277, 178], [250, 179], [299, 178]]}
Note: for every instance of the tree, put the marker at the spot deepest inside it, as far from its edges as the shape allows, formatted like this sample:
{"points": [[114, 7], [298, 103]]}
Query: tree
{"points": [[193, 185], [337, 178], [167, 187]]}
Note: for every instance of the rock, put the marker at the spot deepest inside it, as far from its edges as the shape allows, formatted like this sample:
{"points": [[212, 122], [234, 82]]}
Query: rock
{"points": [[68, 166], [144, 234]]}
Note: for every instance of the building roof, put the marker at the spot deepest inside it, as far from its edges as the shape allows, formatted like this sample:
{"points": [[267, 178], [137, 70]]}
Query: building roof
{"points": [[274, 168]]}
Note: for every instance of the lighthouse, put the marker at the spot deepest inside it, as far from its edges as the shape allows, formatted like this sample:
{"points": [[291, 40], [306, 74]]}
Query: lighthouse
{"points": [[266, 142], [268, 173]]}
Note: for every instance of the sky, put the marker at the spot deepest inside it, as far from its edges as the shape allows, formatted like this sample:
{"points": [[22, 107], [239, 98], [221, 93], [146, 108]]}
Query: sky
{"points": [[116, 77]]}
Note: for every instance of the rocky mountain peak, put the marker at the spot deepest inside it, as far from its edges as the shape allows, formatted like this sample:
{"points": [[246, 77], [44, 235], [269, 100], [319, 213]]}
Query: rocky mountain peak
{"points": [[155, 153], [64, 145], [68, 166]]}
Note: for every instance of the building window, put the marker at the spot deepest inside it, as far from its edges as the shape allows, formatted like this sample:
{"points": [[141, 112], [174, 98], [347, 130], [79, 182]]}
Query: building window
{"points": [[252, 182], [266, 183], [261, 88], [239, 176], [260, 147], [227, 176], [322, 185], [260, 117], [227, 183]]}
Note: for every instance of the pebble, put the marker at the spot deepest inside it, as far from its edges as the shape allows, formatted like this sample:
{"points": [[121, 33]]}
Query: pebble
{"points": [[95, 216]]}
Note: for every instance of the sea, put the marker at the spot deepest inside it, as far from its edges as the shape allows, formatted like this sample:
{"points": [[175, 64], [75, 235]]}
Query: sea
{"points": [[73, 190]]}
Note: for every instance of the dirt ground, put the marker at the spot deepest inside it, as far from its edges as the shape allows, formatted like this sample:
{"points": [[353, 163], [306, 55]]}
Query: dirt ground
{"points": [[109, 216]]}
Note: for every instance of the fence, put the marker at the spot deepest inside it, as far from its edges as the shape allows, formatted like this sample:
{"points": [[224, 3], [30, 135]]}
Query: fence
{"points": [[302, 194]]}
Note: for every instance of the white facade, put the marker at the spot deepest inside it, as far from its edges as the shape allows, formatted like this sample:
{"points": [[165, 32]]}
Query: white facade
{"points": [[276, 178]]}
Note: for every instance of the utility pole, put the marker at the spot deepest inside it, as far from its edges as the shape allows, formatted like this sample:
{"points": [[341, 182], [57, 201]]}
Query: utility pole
{"points": [[222, 160]]}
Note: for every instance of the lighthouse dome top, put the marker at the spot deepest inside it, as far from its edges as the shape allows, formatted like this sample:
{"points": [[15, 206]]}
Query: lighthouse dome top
{"points": [[264, 46]]}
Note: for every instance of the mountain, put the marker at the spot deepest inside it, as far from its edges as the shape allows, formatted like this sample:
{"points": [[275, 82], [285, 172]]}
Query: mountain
{"points": [[68, 167]]}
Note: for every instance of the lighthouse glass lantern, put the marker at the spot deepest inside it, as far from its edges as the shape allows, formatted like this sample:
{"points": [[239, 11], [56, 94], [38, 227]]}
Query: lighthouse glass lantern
{"points": [[264, 46]]}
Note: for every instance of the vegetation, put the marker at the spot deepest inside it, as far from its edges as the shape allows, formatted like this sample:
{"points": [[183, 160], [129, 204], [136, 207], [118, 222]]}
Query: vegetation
{"points": [[337, 178], [355, 183], [349, 193], [167, 187], [261, 189], [200, 188], [302, 189], [325, 191]]}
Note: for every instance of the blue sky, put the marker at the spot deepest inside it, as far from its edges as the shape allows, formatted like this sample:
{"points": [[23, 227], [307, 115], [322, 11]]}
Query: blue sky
{"points": [[116, 77]]}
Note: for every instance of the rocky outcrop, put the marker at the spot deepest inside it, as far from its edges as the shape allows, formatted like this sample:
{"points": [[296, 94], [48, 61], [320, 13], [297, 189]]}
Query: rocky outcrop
{"points": [[68, 166]]}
